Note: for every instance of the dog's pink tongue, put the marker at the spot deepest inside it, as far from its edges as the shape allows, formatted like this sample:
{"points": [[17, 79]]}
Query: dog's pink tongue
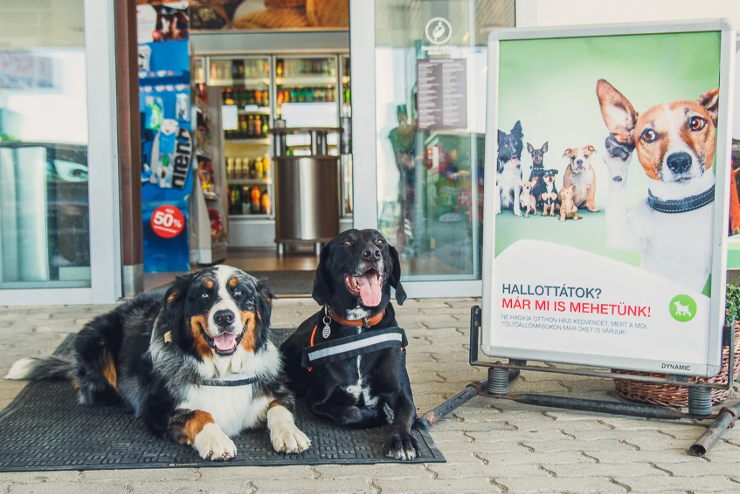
{"points": [[370, 291], [224, 342]]}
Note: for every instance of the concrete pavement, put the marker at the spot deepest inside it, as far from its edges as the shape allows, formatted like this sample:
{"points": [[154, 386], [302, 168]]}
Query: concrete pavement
{"points": [[490, 445]]}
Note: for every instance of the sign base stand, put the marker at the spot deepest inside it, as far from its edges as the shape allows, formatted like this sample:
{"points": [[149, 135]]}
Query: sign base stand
{"points": [[499, 375]]}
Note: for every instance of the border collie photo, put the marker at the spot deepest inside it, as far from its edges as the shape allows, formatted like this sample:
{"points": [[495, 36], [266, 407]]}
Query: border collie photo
{"points": [[196, 365], [509, 170]]}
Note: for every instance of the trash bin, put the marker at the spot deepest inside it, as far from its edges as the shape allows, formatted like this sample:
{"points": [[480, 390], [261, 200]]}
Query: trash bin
{"points": [[307, 191]]}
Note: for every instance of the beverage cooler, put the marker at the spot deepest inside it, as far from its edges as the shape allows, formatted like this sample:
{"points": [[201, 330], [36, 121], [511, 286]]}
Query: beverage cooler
{"points": [[304, 91]]}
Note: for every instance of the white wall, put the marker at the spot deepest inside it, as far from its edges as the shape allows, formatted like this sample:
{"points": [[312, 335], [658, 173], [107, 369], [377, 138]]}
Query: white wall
{"points": [[540, 13]]}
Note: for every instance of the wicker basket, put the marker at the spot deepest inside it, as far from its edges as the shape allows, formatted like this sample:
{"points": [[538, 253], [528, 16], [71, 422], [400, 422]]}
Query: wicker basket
{"points": [[671, 395]]}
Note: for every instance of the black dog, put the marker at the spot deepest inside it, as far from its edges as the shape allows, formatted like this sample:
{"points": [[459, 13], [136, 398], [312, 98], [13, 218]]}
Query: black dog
{"points": [[537, 160], [546, 192], [509, 169], [197, 364], [366, 388]]}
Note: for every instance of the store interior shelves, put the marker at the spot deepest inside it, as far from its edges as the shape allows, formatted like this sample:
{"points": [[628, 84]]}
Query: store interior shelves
{"points": [[254, 110], [251, 216], [306, 80], [252, 82], [250, 181], [254, 141]]}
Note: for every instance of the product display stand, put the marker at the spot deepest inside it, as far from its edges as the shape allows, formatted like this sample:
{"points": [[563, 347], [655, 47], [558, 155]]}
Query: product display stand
{"points": [[209, 204], [497, 386]]}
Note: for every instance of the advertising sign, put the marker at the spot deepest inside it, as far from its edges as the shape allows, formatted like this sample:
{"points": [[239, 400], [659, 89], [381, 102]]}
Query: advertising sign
{"points": [[24, 71], [167, 140], [269, 14], [606, 228]]}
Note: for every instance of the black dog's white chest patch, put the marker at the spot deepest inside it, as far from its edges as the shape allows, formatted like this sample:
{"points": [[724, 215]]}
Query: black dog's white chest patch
{"points": [[360, 389]]}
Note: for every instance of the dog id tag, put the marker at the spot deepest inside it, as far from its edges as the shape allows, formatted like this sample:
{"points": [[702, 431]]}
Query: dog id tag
{"points": [[326, 332]]}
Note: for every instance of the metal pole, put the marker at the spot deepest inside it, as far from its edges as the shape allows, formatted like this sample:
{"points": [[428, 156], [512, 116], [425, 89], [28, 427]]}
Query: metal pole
{"points": [[725, 419], [471, 391], [615, 408]]}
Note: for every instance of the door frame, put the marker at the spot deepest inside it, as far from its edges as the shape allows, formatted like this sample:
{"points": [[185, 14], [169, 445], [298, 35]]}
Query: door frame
{"points": [[103, 181], [364, 147]]}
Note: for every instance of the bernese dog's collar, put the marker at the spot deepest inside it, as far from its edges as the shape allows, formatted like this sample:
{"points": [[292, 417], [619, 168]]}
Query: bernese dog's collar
{"points": [[226, 383], [356, 323]]}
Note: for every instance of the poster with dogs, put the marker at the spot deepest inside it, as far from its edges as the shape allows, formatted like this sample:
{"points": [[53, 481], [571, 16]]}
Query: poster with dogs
{"points": [[607, 223]]}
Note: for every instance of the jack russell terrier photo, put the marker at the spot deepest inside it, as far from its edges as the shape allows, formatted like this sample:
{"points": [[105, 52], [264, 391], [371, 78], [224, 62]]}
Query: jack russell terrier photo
{"points": [[673, 226], [581, 174]]}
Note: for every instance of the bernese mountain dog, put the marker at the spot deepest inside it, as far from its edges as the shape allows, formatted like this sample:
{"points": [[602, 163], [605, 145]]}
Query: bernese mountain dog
{"points": [[196, 365]]}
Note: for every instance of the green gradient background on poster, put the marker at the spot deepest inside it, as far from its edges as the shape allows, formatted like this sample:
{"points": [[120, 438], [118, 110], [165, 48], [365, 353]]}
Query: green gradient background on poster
{"points": [[550, 86]]}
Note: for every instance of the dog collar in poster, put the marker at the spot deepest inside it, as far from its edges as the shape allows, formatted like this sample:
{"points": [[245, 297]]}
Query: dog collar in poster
{"points": [[681, 205], [353, 346]]}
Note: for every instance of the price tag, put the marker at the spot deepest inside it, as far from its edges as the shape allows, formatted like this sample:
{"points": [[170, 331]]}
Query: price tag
{"points": [[167, 221]]}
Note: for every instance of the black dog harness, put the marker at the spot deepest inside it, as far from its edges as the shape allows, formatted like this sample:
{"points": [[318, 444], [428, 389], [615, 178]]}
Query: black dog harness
{"points": [[353, 346], [681, 205], [350, 346]]}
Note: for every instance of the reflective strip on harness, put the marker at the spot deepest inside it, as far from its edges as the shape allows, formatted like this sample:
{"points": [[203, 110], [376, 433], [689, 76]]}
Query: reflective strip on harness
{"points": [[352, 346]]}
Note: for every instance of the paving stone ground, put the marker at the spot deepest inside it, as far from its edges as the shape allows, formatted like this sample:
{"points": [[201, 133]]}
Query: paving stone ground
{"points": [[491, 446]]}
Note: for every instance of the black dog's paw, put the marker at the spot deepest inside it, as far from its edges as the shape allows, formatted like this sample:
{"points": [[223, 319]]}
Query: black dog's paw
{"points": [[401, 446]]}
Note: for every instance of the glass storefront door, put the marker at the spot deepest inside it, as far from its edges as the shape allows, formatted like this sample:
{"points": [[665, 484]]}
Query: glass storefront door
{"points": [[425, 129], [55, 224]]}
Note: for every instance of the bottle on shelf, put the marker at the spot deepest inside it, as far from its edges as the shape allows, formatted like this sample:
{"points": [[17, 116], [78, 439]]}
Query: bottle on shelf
{"points": [[279, 68], [265, 125], [236, 200], [253, 170], [245, 200], [250, 126], [258, 168], [265, 202], [243, 127], [255, 195], [229, 168], [266, 167]]}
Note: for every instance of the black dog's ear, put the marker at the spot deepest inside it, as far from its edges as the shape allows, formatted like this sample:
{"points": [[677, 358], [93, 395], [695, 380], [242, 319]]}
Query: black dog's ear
{"points": [[174, 302], [529, 148], [320, 291], [501, 136], [544, 147], [516, 131], [263, 304], [395, 279]]}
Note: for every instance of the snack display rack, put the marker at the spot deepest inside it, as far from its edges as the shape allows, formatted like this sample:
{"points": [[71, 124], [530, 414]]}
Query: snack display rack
{"points": [[209, 206]]}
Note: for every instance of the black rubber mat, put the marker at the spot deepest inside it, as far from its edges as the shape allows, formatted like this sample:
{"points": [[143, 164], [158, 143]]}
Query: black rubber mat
{"points": [[45, 428]]}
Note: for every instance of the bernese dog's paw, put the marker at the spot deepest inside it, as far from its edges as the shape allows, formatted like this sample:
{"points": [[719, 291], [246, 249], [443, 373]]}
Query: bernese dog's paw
{"points": [[401, 446], [289, 439], [284, 435], [212, 444]]}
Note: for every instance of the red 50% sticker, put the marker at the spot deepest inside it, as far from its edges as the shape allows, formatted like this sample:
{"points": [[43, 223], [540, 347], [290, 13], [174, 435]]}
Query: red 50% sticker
{"points": [[167, 221]]}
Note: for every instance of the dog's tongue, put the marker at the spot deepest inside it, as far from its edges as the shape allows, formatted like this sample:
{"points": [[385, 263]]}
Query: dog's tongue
{"points": [[370, 291], [224, 342]]}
